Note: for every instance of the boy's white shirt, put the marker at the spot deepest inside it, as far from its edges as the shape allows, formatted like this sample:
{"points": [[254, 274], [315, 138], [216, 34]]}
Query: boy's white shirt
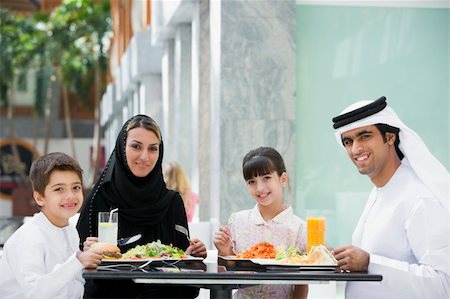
{"points": [[39, 261]]}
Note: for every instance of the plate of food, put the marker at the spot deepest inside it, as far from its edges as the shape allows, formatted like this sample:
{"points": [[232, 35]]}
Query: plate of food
{"points": [[150, 253], [263, 255]]}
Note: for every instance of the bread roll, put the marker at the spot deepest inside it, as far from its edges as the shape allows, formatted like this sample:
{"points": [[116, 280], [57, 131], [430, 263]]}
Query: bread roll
{"points": [[110, 251]]}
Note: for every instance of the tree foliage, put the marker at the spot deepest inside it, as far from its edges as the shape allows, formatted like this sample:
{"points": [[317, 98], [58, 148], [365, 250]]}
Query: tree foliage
{"points": [[81, 30], [19, 40]]}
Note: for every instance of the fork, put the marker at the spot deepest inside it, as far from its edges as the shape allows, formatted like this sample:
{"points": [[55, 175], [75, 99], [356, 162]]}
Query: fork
{"points": [[116, 267], [233, 242], [183, 230]]}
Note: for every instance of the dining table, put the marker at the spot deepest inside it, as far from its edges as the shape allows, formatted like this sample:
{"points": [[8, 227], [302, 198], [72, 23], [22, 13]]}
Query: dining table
{"points": [[223, 276]]}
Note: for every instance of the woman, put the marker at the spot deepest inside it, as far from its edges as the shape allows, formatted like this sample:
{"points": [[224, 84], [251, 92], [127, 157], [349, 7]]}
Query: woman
{"points": [[177, 180], [133, 182]]}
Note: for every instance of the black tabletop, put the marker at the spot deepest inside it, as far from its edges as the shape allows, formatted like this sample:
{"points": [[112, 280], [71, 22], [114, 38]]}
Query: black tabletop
{"points": [[253, 276], [219, 280]]}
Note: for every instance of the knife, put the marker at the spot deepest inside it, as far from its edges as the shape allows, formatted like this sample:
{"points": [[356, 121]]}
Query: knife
{"points": [[128, 240]]}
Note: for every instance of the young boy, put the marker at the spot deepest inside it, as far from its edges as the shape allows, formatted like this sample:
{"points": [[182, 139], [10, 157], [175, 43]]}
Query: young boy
{"points": [[41, 259]]}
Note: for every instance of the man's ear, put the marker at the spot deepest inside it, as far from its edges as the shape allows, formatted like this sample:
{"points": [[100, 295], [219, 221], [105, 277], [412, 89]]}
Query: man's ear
{"points": [[390, 138], [38, 198], [284, 179]]}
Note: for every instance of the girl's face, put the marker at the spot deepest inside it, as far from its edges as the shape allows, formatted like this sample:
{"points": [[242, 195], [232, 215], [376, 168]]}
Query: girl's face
{"points": [[62, 198], [142, 151], [268, 189]]}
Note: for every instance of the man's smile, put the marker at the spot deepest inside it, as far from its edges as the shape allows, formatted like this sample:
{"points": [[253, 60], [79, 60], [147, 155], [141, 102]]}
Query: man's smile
{"points": [[362, 158]]}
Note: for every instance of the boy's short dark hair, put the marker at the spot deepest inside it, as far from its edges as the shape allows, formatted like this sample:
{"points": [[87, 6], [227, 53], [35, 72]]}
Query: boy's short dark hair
{"points": [[42, 168]]}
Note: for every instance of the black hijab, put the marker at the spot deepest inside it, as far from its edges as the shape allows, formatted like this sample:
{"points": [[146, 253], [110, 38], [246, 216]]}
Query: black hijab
{"points": [[140, 200]]}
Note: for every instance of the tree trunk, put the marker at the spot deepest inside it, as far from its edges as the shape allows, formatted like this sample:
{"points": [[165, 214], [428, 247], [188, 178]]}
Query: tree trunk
{"points": [[68, 120], [12, 134], [48, 112]]}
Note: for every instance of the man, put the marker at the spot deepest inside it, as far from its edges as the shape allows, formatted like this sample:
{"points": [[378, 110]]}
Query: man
{"points": [[404, 231]]}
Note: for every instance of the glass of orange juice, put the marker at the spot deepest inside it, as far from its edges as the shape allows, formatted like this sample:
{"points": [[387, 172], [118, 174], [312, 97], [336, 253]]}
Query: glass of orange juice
{"points": [[315, 231]]}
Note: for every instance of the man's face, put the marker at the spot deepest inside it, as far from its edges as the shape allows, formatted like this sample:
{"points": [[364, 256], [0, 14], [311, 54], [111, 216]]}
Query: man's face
{"points": [[368, 151]]}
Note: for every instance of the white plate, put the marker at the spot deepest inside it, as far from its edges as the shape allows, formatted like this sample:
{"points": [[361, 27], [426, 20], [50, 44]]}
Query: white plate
{"points": [[273, 262], [141, 261]]}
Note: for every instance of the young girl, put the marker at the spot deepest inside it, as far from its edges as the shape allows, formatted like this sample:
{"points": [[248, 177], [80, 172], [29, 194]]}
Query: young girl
{"points": [[271, 220]]}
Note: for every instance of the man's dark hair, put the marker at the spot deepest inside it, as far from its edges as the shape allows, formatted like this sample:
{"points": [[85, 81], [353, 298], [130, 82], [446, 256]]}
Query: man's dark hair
{"points": [[383, 128]]}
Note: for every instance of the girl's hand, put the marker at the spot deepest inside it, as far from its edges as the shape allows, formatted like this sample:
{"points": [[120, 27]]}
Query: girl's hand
{"points": [[223, 241], [197, 248], [88, 243]]}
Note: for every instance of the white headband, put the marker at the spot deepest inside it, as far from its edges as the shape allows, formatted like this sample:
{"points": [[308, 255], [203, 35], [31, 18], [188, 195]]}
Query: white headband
{"points": [[429, 170]]}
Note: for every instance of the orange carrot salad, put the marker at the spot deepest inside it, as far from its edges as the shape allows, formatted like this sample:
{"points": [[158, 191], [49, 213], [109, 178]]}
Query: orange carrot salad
{"points": [[262, 250]]}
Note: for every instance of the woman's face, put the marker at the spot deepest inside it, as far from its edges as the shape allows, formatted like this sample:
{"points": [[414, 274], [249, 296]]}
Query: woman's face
{"points": [[142, 151]]}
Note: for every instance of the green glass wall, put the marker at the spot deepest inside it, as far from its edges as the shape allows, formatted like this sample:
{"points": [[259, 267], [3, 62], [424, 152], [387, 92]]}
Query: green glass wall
{"points": [[346, 54]]}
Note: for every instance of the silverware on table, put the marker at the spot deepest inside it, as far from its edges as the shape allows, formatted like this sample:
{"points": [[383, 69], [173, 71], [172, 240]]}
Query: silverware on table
{"points": [[128, 240]]}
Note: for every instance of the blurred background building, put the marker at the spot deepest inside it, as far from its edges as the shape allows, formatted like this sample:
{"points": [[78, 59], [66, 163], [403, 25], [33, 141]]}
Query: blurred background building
{"points": [[223, 77]]}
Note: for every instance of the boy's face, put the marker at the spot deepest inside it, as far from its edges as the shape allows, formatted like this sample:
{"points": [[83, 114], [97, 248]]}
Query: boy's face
{"points": [[62, 198]]}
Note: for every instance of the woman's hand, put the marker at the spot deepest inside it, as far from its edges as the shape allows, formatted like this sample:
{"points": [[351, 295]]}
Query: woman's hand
{"points": [[88, 243], [197, 248], [223, 241]]}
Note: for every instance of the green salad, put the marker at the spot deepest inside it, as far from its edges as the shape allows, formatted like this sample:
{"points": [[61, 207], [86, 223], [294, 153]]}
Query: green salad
{"points": [[154, 250], [283, 253]]}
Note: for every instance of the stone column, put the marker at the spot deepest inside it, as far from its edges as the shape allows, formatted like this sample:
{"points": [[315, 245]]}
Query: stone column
{"points": [[201, 23], [150, 96], [252, 93], [167, 73], [182, 134]]}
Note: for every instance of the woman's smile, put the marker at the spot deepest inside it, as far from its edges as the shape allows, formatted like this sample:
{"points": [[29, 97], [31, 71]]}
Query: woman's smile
{"points": [[142, 165]]}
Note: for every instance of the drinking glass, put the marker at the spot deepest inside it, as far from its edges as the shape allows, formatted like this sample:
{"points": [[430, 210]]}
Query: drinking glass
{"points": [[107, 227], [315, 231]]}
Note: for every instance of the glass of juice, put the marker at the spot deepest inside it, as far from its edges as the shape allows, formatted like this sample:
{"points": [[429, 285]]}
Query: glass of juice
{"points": [[315, 227], [107, 227]]}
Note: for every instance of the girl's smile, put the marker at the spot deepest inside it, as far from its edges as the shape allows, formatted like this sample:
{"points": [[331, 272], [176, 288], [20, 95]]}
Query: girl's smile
{"points": [[267, 189]]}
